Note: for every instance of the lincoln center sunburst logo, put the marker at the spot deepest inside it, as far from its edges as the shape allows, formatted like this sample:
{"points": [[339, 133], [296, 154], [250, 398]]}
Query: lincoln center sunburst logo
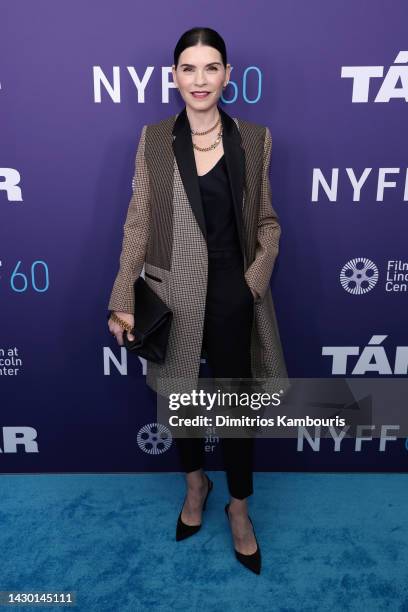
{"points": [[359, 275]]}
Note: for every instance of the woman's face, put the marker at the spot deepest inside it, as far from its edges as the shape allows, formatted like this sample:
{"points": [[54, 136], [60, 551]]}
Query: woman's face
{"points": [[200, 69]]}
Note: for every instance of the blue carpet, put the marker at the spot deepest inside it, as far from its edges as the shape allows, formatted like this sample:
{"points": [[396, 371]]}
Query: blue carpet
{"points": [[329, 542]]}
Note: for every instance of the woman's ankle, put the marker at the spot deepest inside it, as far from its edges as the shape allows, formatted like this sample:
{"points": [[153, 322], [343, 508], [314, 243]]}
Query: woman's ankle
{"points": [[238, 506], [196, 481]]}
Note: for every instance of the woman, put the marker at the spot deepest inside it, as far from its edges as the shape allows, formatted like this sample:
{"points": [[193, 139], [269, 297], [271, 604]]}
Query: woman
{"points": [[201, 223]]}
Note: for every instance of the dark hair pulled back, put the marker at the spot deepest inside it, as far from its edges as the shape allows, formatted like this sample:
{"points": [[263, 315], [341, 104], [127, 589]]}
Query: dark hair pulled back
{"points": [[204, 36]]}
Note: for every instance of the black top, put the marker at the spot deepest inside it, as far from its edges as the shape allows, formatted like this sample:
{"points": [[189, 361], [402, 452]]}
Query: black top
{"points": [[216, 197]]}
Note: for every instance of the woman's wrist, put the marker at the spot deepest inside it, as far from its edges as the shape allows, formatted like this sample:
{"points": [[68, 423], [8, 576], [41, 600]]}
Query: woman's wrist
{"points": [[124, 324]]}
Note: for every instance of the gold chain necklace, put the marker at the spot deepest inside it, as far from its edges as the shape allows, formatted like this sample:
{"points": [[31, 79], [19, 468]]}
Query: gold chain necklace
{"points": [[215, 144], [207, 131]]}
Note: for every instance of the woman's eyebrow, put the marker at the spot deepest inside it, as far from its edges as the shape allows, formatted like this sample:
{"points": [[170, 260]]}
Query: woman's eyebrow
{"points": [[192, 65]]}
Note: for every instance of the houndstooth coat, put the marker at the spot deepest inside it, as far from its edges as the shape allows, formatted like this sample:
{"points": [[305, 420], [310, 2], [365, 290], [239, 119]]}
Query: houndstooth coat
{"points": [[165, 234]]}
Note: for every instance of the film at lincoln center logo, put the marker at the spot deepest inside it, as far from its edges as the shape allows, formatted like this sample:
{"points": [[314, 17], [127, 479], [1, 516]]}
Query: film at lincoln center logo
{"points": [[359, 275], [154, 438]]}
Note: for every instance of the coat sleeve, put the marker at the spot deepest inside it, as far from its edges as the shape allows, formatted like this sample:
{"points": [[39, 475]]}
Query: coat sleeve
{"points": [[259, 273], [135, 235]]}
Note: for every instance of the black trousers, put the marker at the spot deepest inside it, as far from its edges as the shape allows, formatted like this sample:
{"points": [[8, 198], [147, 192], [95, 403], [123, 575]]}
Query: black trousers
{"points": [[226, 344]]}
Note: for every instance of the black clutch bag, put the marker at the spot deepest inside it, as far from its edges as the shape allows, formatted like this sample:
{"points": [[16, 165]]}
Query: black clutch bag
{"points": [[152, 324]]}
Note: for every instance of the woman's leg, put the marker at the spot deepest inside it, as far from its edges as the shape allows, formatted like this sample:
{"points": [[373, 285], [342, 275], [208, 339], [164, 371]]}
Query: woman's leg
{"points": [[230, 358], [227, 340], [227, 337], [191, 454]]}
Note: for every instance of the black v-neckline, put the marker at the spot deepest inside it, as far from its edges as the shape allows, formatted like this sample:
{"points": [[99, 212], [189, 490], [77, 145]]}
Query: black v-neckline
{"points": [[214, 166]]}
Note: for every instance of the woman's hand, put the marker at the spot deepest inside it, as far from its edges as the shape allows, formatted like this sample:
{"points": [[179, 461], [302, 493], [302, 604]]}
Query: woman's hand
{"points": [[117, 330]]}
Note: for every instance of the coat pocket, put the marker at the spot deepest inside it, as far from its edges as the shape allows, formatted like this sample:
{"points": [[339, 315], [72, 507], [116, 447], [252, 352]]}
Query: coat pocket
{"points": [[158, 280]]}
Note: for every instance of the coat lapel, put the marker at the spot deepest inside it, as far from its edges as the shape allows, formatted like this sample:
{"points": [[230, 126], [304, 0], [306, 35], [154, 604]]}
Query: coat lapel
{"points": [[235, 162]]}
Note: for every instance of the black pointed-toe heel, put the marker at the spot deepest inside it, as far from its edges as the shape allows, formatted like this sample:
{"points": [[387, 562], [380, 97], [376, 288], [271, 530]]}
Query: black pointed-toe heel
{"points": [[253, 561], [184, 531]]}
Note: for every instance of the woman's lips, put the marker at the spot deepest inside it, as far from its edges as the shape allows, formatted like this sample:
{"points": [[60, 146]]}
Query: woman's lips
{"points": [[200, 94]]}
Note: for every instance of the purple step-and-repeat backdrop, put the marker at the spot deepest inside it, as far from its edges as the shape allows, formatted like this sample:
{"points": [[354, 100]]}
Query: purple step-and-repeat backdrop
{"points": [[77, 83]]}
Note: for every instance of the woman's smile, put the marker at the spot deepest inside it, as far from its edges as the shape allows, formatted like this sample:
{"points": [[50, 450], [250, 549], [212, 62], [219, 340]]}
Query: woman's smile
{"points": [[200, 94]]}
